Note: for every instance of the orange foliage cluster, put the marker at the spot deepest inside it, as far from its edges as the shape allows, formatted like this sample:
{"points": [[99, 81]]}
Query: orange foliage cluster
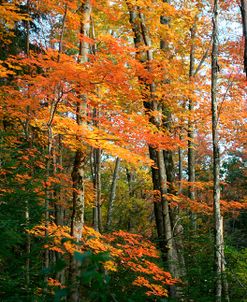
{"points": [[9, 15], [53, 282], [128, 252], [205, 207]]}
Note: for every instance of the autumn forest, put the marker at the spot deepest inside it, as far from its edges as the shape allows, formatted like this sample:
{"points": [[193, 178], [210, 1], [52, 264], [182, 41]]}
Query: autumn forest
{"points": [[123, 164]]}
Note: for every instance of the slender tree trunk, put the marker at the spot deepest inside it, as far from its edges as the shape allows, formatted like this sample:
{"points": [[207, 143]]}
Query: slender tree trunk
{"points": [[59, 209], [77, 218], [97, 221], [171, 253], [96, 159], [164, 20], [47, 190], [28, 245], [56, 191], [53, 108], [96, 176], [177, 228], [191, 129], [148, 105], [158, 205], [180, 168], [161, 207], [216, 158], [112, 194], [27, 211], [244, 22], [130, 179]]}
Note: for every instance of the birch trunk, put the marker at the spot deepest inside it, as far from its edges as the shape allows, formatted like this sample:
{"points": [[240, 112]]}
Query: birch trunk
{"points": [[77, 218], [216, 158]]}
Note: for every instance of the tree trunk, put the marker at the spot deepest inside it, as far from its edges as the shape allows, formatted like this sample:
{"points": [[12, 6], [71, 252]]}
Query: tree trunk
{"points": [[112, 194], [77, 218], [59, 209], [180, 168], [191, 129], [244, 22], [130, 179], [161, 207], [216, 158], [138, 28], [97, 222], [177, 228], [47, 190]]}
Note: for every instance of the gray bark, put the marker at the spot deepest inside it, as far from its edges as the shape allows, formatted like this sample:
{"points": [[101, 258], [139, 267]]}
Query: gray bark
{"points": [[177, 228], [59, 210], [139, 36], [180, 167], [112, 194], [191, 129], [77, 218], [48, 194], [159, 176], [130, 180], [172, 256], [161, 210], [216, 157], [96, 168]]}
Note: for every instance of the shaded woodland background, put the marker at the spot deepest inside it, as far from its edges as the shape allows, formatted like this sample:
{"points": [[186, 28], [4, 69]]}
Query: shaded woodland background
{"points": [[107, 161]]}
